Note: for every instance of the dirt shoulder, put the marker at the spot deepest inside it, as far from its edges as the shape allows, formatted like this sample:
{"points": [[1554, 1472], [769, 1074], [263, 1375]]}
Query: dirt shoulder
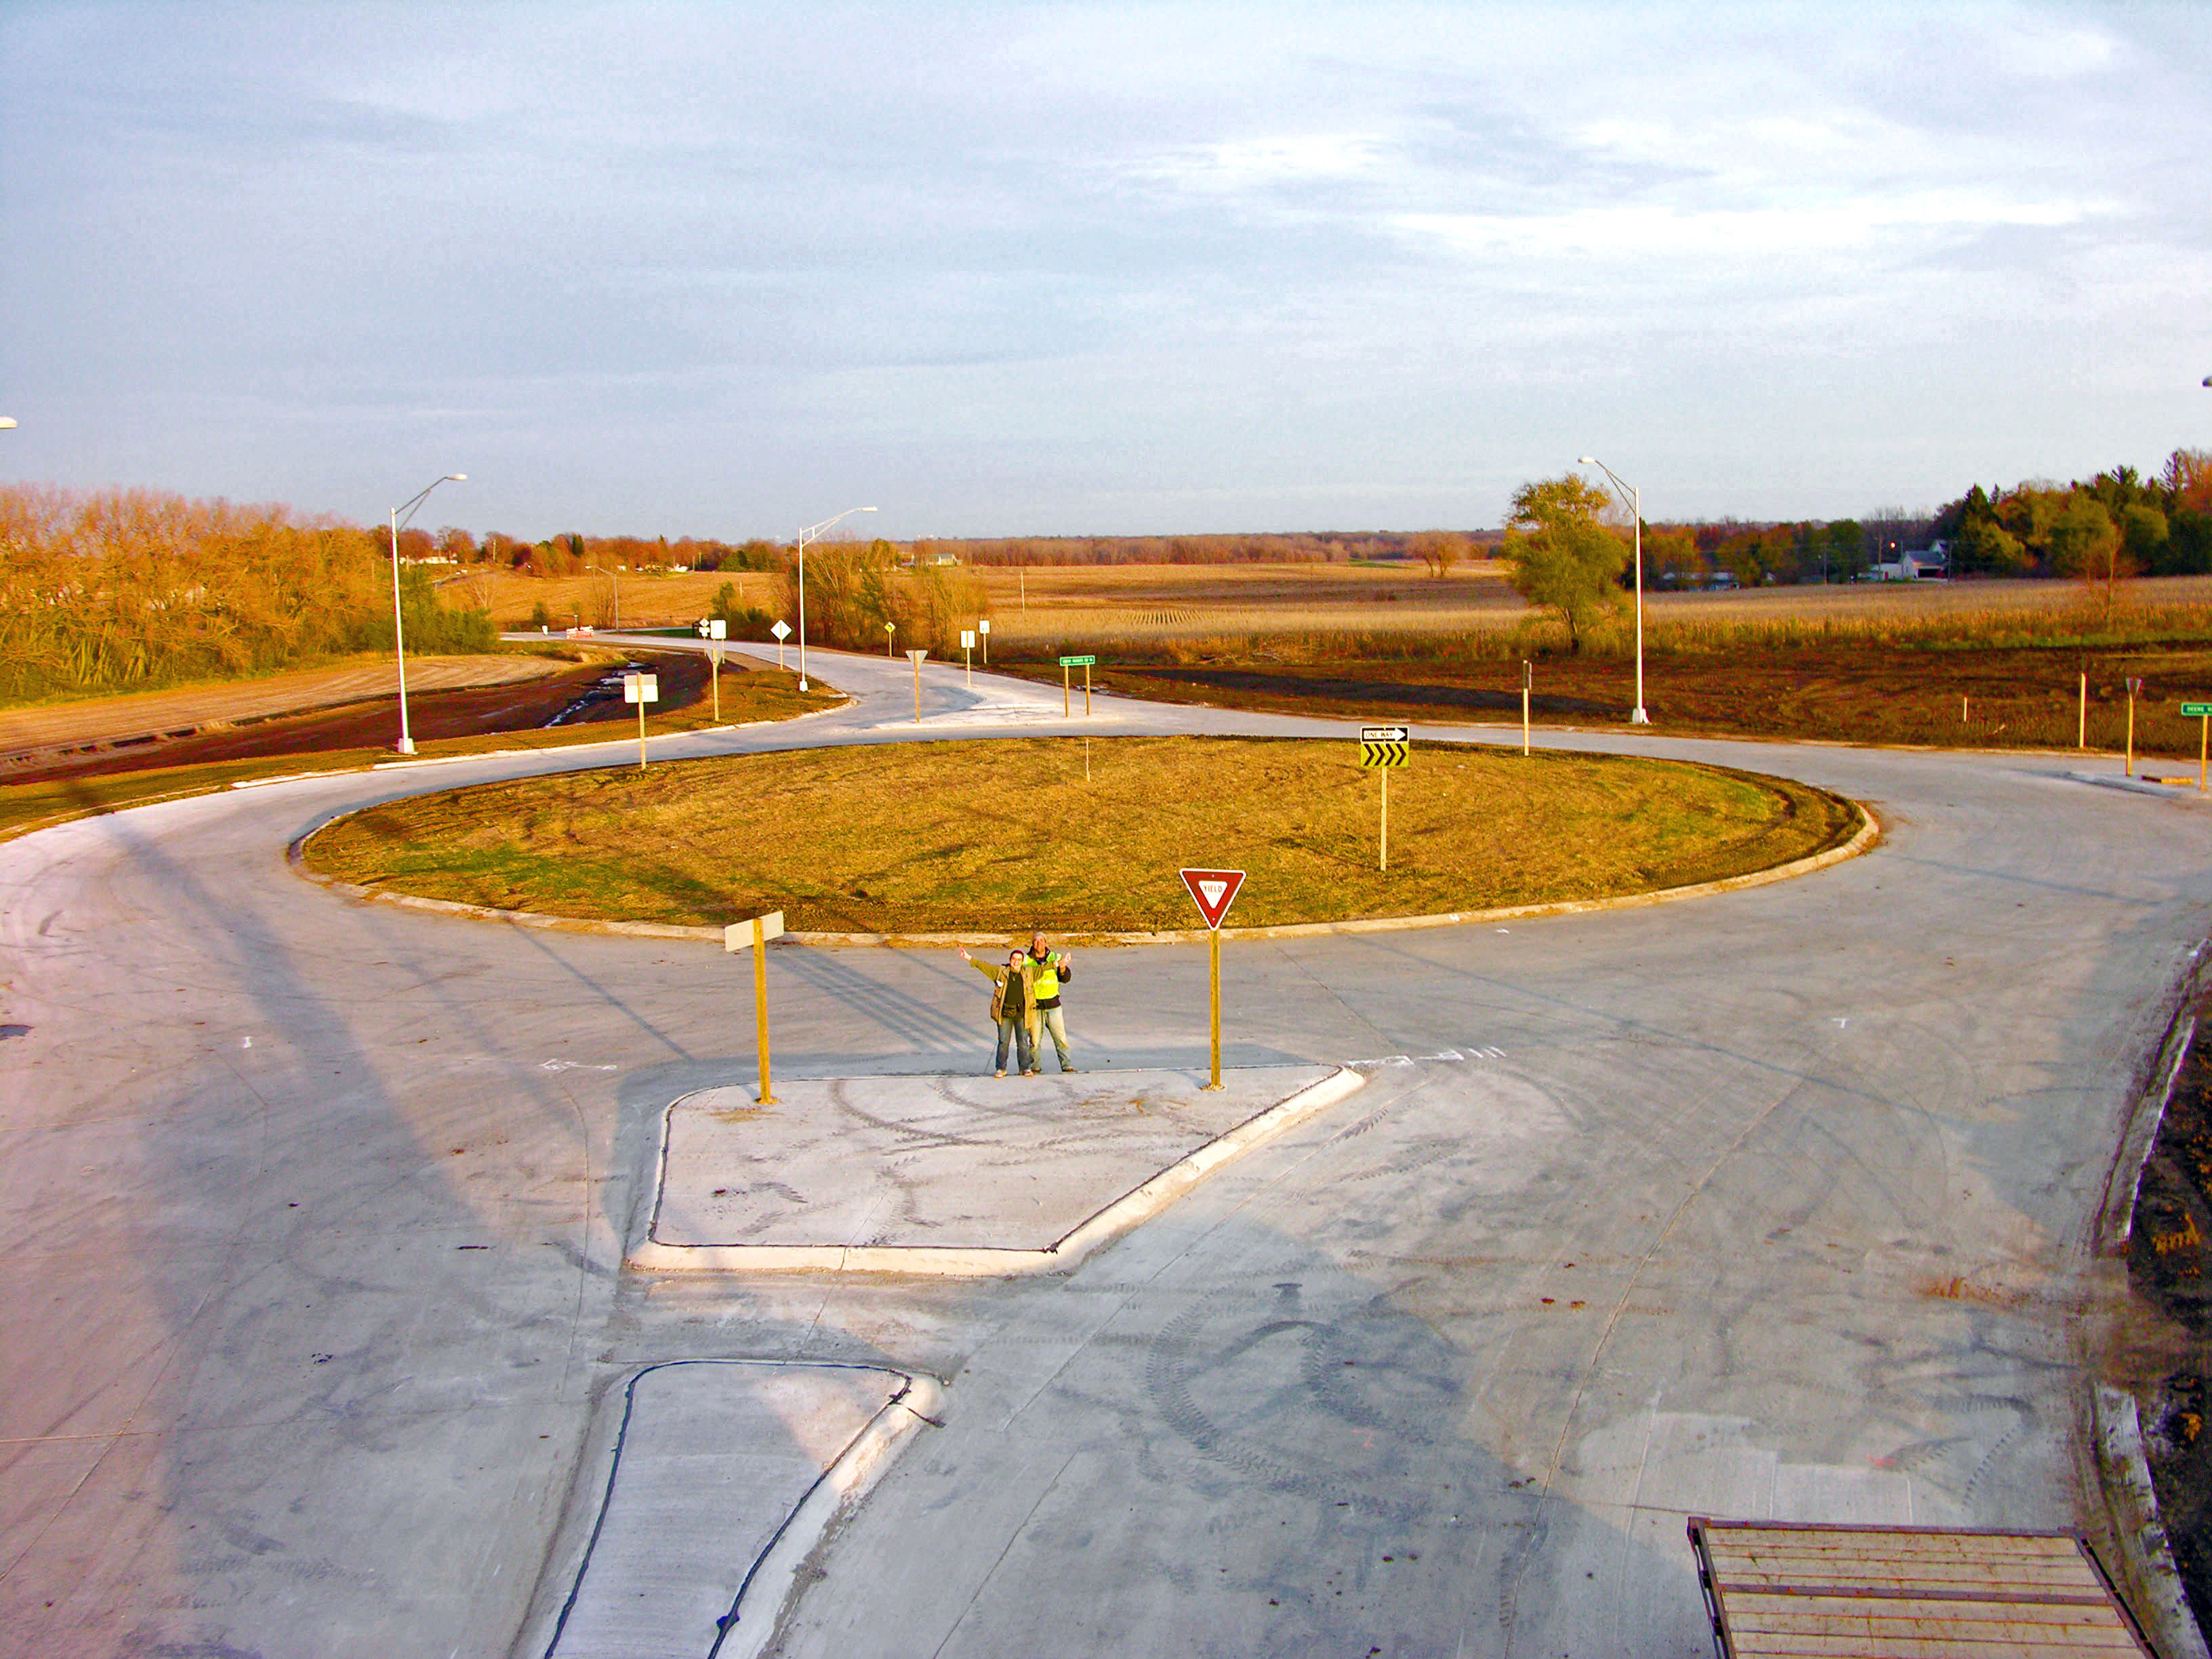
{"points": [[1848, 691], [2170, 1264]]}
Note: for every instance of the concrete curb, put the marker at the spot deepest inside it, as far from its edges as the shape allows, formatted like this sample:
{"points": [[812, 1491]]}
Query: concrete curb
{"points": [[846, 1481], [2159, 1598], [2146, 1113], [1868, 833], [1139, 1204], [919, 1400]]}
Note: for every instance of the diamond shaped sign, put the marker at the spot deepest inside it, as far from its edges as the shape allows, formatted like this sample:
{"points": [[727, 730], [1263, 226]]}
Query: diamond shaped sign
{"points": [[1213, 891]]}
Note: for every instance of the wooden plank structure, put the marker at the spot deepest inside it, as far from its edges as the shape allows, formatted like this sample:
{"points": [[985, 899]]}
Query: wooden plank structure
{"points": [[1790, 1590]]}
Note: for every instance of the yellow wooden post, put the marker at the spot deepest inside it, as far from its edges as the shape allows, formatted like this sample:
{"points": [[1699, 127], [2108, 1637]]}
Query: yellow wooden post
{"points": [[1086, 690], [2130, 769], [641, 734], [2082, 720], [760, 1009], [1066, 702], [2204, 742], [1213, 999], [1382, 861]]}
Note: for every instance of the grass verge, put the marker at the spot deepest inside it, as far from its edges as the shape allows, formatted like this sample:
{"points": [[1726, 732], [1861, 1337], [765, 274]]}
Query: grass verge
{"points": [[1009, 835]]}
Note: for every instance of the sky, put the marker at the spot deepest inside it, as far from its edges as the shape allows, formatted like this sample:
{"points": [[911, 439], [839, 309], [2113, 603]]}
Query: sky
{"points": [[727, 269]]}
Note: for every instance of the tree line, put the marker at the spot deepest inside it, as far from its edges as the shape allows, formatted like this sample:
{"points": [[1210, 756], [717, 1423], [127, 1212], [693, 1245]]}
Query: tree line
{"points": [[572, 553], [1569, 547], [126, 590]]}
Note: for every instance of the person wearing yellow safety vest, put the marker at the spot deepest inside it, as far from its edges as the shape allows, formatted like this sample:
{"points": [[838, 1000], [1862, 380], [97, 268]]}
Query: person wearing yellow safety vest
{"points": [[1048, 971]]}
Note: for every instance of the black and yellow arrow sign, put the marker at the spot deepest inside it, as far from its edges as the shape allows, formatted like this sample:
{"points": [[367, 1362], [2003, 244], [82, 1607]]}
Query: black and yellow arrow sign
{"points": [[1387, 746]]}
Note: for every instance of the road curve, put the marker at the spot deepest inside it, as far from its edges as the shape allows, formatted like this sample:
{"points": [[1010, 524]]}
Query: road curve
{"points": [[1780, 1203]]}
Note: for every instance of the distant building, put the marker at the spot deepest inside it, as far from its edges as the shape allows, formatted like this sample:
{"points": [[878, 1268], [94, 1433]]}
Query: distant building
{"points": [[1931, 563]]}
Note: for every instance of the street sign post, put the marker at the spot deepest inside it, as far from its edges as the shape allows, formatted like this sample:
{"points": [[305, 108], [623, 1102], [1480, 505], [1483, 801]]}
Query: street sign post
{"points": [[1527, 675], [2134, 686], [640, 689], [782, 632], [967, 654], [1384, 749], [915, 657], [1067, 703], [983, 628], [1213, 891], [2201, 712], [756, 933], [890, 629], [718, 630]]}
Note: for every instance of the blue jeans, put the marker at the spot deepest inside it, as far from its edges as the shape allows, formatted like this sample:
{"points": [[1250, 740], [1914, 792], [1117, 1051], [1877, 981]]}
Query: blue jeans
{"points": [[1056, 1028], [1018, 1028]]}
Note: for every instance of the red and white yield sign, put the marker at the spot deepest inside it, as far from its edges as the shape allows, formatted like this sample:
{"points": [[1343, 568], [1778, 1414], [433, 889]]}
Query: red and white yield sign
{"points": [[1213, 891]]}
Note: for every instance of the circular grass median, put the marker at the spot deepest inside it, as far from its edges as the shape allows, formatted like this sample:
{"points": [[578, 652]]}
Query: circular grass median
{"points": [[1007, 835]]}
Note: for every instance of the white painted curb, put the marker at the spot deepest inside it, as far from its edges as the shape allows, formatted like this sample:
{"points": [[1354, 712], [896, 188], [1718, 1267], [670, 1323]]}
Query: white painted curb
{"points": [[1139, 1204]]}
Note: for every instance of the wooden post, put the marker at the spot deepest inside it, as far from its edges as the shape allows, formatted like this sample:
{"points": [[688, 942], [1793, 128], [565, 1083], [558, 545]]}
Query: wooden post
{"points": [[2131, 729], [715, 672], [1213, 999], [2204, 742], [1086, 690], [641, 734], [760, 1009], [1383, 862], [1524, 705], [1067, 704], [2081, 720]]}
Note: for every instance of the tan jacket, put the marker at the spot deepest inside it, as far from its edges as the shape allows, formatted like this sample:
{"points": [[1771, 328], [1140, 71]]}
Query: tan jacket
{"points": [[998, 974]]}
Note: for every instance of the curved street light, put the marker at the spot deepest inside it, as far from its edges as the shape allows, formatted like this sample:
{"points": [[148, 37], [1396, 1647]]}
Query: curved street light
{"points": [[400, 515], [1637, 717], [812, 532]]}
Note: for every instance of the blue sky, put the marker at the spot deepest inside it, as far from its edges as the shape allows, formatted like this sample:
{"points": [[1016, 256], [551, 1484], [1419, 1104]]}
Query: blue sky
{"points": [[727, 269]]}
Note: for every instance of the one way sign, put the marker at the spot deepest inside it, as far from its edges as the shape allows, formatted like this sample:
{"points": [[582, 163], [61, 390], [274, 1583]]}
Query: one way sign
{"points": [[1213, 891]]}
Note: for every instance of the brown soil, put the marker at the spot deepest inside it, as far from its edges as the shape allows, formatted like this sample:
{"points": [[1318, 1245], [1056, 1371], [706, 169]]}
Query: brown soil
{"points": [[1844, 691]]}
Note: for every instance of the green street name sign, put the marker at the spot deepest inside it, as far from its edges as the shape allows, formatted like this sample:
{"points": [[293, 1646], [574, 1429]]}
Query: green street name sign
{"points": [[1078, 662], [2197, 711]]}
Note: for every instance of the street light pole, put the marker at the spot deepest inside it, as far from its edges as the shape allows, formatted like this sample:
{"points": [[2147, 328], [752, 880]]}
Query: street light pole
{"points": [[1637, 717], [812, 532], [400, 515], [608, 571]]}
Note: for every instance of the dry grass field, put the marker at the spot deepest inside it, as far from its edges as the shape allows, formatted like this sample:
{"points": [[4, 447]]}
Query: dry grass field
{"points": [[942, 837], [649, 598], [1155, 604]]}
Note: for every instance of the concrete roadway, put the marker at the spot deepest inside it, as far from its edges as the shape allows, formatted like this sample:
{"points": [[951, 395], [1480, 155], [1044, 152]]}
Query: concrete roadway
{"points": [[1781, 1203]]}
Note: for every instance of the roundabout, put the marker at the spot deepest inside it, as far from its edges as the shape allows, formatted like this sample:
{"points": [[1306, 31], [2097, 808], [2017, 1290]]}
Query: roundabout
{"points": [[1788, 1202], [962, 838]]}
